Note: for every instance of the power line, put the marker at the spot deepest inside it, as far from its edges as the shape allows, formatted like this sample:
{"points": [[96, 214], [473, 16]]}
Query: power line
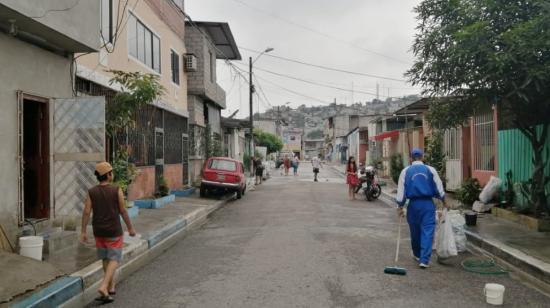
{"points": [[294, 92], [319, 33], [325, 67], [316, 83], [262, 91]]}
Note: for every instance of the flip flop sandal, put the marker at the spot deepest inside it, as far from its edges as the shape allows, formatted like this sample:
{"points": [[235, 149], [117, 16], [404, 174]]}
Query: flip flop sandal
{"points": [[105, 299], [112, 292]]}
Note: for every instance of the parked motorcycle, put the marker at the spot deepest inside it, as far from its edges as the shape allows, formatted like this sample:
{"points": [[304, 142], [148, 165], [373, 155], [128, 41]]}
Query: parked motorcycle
{"points": [[368, 183]]}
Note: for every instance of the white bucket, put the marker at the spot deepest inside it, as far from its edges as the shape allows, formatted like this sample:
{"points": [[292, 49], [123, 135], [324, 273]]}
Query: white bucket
{"points": [[31, 246], [494, 293]]}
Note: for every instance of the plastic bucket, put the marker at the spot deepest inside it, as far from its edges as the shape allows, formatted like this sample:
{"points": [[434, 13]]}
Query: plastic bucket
{"points": [[494, 293], [31, 246], [471, 218]]}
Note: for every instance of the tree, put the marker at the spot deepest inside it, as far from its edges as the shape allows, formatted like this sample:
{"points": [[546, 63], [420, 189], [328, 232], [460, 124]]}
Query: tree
{"points": [[270, 141], [138, 90], [488, 52]]}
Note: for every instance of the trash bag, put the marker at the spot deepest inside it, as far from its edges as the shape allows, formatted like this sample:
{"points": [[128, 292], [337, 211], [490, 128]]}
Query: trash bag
{"points": [[458, 221], [490, 190], [446, 245]]}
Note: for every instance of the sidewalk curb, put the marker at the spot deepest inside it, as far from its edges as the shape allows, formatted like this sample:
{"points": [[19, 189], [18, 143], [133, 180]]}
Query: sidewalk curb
{"points": [[532, 270], [80, 288], [55, 294], [531, 266]]}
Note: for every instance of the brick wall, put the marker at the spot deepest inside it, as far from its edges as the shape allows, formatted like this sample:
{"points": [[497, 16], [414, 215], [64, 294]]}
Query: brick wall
{"points": [[200, 82]]}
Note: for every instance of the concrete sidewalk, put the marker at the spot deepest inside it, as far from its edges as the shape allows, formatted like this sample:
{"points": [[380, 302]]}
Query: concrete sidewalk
{"points": [[526, 251], [158, 229]]}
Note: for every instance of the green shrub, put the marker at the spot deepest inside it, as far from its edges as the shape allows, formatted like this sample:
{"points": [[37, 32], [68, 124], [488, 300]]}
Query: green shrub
{"points": [[396, 166], [469, 191], [162, 189]]}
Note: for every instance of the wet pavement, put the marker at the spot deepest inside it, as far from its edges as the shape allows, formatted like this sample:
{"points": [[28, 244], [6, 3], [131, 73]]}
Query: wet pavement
{"points": [[293, 242]]}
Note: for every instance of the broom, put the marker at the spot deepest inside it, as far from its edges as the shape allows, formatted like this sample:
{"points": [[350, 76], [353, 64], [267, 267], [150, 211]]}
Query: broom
{"points": [[394, 270]]}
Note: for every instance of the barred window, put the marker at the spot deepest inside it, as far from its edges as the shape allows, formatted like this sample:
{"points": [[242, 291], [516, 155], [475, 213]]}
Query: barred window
{"points": [[484, 152], [175, 127]]}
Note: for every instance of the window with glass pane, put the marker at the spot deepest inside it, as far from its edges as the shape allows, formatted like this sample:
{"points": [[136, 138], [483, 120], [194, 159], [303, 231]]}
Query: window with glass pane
{"points": [[132, 36], [175, 64], [140, 42], [143, 44], [148, 49], [156, 54]]}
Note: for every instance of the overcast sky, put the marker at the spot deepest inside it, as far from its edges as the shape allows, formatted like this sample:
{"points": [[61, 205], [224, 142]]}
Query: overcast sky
{"points": [[341, 35]]}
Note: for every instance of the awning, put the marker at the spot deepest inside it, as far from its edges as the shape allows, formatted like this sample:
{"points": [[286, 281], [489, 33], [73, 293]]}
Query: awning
{"points": [[385, 135]]}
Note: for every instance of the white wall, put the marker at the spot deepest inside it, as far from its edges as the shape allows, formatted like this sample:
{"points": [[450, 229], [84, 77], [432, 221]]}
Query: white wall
{"points": [[35, 71]]}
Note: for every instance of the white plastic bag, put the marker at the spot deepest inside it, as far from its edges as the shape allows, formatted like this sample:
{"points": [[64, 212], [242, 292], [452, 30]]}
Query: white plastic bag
{"points": [[446, 245], [490, 190], [458, 222]]}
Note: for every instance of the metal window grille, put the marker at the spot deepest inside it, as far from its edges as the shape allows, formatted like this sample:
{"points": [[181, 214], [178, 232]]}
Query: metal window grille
{"points": [[175, 127], [485, 142], [452, 143]]}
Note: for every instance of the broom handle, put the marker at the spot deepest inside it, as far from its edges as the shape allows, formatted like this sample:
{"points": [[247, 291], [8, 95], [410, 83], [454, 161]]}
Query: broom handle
{"points": [[398, 240]]}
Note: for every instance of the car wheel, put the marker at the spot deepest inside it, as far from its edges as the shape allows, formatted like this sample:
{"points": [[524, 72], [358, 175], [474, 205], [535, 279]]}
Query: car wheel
{"points": [[239, 193], [202, 191]]}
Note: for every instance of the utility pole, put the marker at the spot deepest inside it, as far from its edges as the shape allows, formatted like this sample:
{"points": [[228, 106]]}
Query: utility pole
{"points": [[251, 92]]}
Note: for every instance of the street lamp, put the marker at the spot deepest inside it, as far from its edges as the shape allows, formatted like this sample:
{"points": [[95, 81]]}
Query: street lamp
{"points": [[251, 85]]}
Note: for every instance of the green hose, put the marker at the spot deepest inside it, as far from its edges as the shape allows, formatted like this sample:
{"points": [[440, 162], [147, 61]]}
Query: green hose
{"points": [[483, 266]]}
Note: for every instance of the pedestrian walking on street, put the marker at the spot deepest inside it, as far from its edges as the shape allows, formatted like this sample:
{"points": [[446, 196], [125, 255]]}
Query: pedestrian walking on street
{"points": [[295, 164], [351, 177], [107, 204], [286, 163], [419, 183], [316, 164], [258, 165]]}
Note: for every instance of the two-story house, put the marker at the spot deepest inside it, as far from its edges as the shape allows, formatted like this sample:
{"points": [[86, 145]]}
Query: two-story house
{"points": [[49, 143], [206, 42], [148, 37]]}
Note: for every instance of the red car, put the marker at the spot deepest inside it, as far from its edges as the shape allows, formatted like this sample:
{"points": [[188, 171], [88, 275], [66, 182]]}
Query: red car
{"points": [[223, 174]]}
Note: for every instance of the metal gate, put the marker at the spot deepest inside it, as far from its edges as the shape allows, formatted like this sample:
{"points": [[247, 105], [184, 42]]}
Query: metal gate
{"points": [[159, 156], [79, 143], [453, 153], [185, 158]]}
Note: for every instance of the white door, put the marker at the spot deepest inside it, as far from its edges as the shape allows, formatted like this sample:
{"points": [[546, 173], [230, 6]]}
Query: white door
{"points": [[453, 158], [79, 143]]}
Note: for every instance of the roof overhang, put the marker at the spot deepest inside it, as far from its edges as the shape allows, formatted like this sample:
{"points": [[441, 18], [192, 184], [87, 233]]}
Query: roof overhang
{"points": [[385, 135], [420, 106], [34, 32], [222, 37]]}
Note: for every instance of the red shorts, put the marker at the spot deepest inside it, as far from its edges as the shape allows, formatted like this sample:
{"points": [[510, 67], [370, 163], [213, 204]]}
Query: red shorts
{"points": [[109, 248]]}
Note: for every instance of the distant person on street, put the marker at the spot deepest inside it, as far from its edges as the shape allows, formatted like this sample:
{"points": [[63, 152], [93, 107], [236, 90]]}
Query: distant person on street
{"points": [[106, 201], [351, 177], [420, 183], [295, 164], [316, 164], [259, 171], [286, 164]]}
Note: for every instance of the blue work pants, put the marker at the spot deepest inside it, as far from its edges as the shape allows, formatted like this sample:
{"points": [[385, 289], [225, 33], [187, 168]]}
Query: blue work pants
{"points": [[421, 219]]}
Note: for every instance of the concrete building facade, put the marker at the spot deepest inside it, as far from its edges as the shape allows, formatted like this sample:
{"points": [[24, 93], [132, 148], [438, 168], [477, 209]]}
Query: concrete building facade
{"points": [[150, 40], [37, 50], [206, 42]]}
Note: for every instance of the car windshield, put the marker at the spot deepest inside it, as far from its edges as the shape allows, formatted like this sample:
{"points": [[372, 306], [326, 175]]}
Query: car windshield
{"points": [[220, 164]]}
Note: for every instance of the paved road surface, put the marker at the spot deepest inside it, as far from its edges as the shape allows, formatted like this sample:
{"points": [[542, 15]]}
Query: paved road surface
{"points": [[296, 243]]}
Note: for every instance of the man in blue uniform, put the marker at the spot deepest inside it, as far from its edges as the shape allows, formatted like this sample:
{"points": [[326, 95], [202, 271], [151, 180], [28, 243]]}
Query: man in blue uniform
{"points": [[420, 183]]}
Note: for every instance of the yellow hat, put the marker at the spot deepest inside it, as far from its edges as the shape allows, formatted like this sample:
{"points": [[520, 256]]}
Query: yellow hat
{"points": [[103, 168]]}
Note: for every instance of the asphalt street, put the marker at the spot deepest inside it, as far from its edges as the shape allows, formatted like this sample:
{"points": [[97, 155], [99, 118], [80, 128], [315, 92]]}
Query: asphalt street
{"points": [[293, 242]]}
